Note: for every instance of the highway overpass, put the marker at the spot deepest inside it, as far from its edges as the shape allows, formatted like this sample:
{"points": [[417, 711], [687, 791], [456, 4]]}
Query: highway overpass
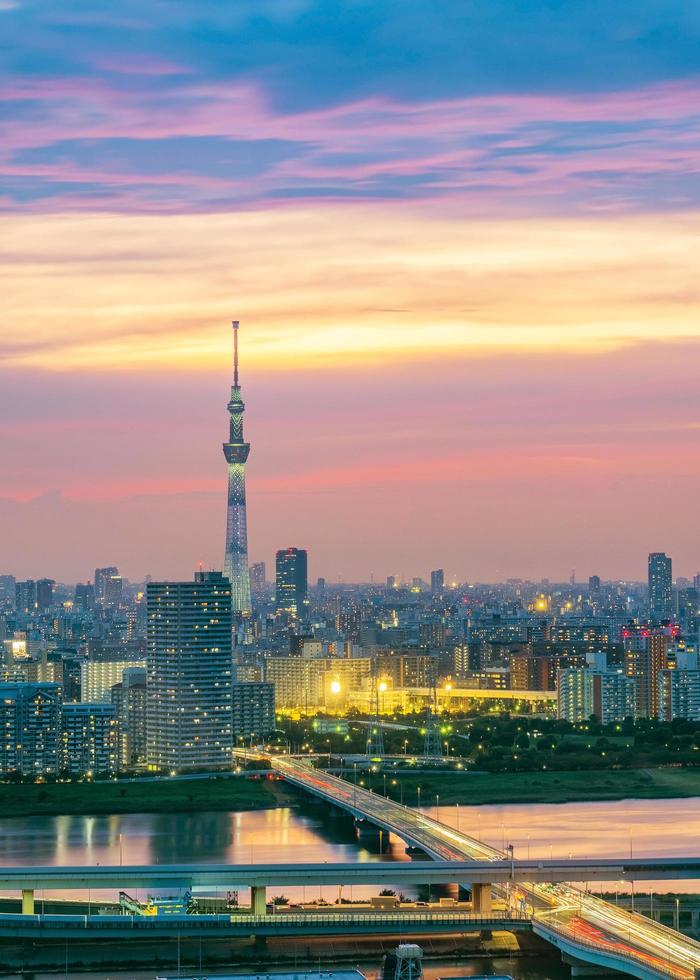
{"points": [[402, 873], [241, 925], [582, 924]]}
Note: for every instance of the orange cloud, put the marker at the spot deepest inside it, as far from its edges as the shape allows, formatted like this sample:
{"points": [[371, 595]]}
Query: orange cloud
{"points": [[355, 284]]}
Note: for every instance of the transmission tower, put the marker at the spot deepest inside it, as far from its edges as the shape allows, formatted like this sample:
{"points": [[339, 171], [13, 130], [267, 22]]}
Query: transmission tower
{"points": [[432, 746], [375, 736]]}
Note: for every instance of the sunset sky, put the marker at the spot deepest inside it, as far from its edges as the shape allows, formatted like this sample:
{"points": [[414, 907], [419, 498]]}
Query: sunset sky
{"points": [[463, 241]]}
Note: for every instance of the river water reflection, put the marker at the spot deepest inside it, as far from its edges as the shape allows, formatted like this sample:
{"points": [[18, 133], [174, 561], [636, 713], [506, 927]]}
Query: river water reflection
{"points": [[284, 835]]}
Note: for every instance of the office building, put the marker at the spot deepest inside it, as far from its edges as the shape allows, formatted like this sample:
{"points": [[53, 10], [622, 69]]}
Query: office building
{"points": [[30, 729], [291, 581], [660, 586], [258, 577], [84, 597], [90, 742], [437, 581], [236, 452], [25, 596], [189, 659], [253, 710], [7, 590], [129, 700], [44, 594], [108, 586]]}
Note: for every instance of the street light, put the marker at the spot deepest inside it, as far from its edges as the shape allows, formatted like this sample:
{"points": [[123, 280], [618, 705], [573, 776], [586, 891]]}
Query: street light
{"points": [[418, 788], [437, 806]]}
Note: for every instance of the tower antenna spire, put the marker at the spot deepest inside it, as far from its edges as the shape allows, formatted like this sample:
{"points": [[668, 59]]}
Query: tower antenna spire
{"points": [[235, 352]]}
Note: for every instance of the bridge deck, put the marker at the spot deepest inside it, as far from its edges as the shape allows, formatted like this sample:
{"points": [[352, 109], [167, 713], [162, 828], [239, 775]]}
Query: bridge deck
{"points": [[638, 946], [355, 873], [38, 927]]}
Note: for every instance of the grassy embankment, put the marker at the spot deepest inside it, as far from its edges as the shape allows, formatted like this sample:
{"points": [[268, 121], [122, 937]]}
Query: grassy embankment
{"points": [[149, 796], [543, 787], [190, 796]]}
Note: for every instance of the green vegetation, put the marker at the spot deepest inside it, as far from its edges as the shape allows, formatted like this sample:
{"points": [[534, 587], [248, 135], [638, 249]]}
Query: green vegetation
{"points": [[473, 789], [507, 744], [146, 796]]}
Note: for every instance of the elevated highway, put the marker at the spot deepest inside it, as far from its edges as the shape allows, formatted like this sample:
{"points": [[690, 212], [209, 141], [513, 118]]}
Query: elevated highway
{"points": [[403, 873], [238, 925], [585, 928]]}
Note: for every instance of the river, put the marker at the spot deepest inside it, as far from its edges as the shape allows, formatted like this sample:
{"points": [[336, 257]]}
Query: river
{"points": [[580, 830]]}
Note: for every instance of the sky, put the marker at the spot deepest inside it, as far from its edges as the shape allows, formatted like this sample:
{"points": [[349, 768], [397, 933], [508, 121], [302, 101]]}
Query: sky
{"points": [[462, 238]]}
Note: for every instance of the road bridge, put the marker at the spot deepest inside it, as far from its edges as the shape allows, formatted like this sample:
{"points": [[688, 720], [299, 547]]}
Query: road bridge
{"points": [[403, 873], [582, 924], [239, 925]]}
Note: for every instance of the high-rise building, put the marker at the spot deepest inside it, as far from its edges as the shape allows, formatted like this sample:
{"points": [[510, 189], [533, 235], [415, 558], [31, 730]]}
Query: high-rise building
{"points": [[437, 581], [189, 656], [84, 597], [646, 653], [25, 596], [253, 709], [30, 728], [608, 694], [679, 695], [90, 742], [594, 585], [44, 593], [660, 585], [7, 589], [98, 677], [102, 575], [291, 581], [258, 576], [236, 451], [129, 700]]}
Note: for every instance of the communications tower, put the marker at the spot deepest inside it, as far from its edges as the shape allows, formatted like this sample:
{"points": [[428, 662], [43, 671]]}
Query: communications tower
{"points": [[236, 451]]}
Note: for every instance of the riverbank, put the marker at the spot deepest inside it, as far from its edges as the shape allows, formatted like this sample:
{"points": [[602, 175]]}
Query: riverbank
{"points": [[147, 796], [541, 787], [239, 793]]}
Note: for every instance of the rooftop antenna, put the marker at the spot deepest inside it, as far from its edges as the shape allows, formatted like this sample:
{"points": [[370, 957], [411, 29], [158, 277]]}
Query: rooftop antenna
{"points": [[235, 353]]}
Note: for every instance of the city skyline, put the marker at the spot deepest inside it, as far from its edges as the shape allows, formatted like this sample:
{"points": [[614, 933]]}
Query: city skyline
{"points": [[494, 259]]}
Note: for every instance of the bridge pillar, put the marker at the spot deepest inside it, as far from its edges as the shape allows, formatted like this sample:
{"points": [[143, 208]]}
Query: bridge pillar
{"points": [[27, 901], [481, 899], [258, 899], [694, 921]]}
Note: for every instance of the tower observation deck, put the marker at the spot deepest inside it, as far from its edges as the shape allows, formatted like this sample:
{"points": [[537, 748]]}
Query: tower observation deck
{"points": [[236, 452]]}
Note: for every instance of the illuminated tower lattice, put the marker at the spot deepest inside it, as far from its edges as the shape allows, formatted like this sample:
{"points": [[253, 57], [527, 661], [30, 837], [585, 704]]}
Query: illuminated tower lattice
{"points": [[236, 453]]}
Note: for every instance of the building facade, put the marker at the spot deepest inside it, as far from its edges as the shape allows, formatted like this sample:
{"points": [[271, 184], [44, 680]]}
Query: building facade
{"points": [[98, 677], [253, 710], [129, 700], [30, 729], [679, 695], [189, 677], [660, 569], [90, 738], [291, 581]]}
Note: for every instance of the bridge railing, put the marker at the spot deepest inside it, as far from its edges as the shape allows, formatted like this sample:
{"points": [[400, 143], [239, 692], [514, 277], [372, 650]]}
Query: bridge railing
{"points": [[154, 923], [653, 964]]}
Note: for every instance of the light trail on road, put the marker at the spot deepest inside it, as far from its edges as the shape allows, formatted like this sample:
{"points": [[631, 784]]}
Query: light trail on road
{"points": [[574, 914]]}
